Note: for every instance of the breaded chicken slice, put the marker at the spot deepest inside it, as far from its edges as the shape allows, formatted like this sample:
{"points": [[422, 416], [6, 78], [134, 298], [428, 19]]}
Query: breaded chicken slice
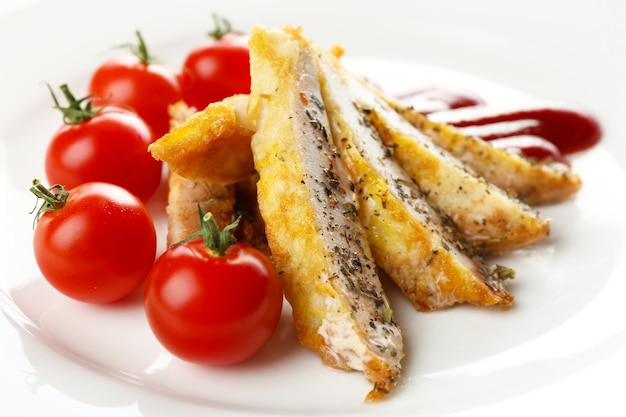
{"points": [[184, 195], [317, 243], [211, 145], [190, 149], [532, 182], [226, 202], [486, 215], [183, 198], [432, 265]]}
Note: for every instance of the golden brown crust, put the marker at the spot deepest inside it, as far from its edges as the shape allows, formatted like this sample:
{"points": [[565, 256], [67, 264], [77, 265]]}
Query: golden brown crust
{"points": [[428, 271], [211, 145], [531, 182], [185, 194], [179, 112], [329, 276], [487, 216], [431, 264]]}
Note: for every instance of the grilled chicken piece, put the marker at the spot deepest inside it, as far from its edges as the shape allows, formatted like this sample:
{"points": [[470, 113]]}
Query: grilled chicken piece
{"points": [[225, 202], [317, 243], [251, 225], [487, 216], [532, 182], [179, 112], [190, 152], [205, 146], [184, 194], [432, 266], [183, 198]]}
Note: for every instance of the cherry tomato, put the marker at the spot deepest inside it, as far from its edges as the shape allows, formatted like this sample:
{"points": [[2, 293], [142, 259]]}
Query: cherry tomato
{"points": [[216, 69], [94, 243], [213, 308], [136, 80], [108, 145]]}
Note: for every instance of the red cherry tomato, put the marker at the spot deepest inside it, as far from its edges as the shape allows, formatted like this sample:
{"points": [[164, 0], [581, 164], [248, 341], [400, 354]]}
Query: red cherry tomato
{"points": [[216, 69], [107, 145], [213, 309], [94, 243], [137, 81]]}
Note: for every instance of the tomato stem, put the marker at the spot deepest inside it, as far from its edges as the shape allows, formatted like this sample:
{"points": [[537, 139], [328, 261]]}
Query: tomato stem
{"points": [[222, 27], [216, 240], [140, 50], [74, 113], [54, 198]]}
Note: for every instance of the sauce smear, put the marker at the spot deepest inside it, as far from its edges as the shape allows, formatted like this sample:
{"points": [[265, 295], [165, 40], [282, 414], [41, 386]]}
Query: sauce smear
{"points": [[569, 128], [539, 129]]}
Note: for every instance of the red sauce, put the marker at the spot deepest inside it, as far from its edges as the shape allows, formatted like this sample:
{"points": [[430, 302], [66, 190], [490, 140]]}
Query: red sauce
{"points": [[567, 127], [433, 99], [532, 147]]}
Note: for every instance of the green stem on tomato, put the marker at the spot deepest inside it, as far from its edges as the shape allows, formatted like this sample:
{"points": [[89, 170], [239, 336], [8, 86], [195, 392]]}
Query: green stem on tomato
{"points": [[74, 113], [222, 27], [140, 50], [54, 198], [216, 240]]}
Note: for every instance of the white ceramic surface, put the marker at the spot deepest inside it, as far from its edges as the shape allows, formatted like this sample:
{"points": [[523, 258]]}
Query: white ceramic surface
{"points": [[562, 349]]}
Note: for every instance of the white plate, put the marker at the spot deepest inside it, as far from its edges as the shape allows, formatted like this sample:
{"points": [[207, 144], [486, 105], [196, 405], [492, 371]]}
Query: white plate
{"points": [[561, 349]]}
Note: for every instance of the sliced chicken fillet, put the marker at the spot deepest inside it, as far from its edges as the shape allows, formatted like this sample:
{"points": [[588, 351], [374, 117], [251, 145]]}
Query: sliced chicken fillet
{"points": [[485, 214], [430, 263], [329, 276]]}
